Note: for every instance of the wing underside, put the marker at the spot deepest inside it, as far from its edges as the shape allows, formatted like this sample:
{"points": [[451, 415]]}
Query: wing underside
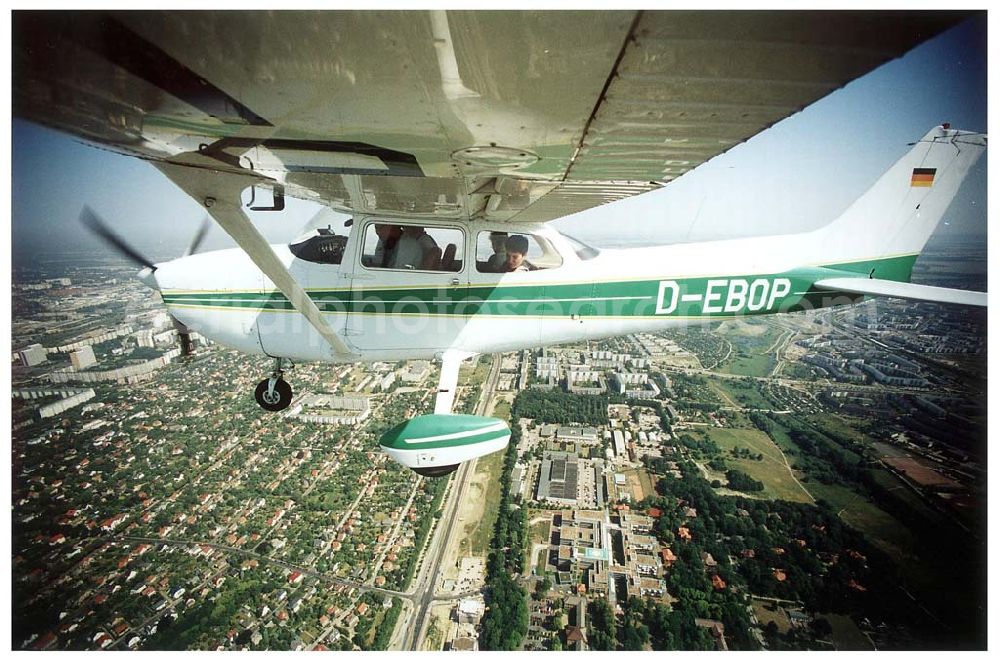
{"points": [[523, 116]]}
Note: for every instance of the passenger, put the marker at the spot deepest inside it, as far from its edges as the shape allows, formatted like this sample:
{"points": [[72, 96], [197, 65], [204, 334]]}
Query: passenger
{"points": [[517, 248], [497, 263], [388, 240], [416, 250]]}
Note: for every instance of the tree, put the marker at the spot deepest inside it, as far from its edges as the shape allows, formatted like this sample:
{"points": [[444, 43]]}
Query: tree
{"points": [[740, 481], [543, 587], [601, 626]]}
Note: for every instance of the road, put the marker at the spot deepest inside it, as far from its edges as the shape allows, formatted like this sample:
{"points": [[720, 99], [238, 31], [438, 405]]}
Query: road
{"points": [[427, 579]]}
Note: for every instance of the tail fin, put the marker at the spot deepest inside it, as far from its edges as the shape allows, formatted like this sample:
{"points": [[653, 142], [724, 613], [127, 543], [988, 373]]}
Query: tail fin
{"points": [[892, 221]]}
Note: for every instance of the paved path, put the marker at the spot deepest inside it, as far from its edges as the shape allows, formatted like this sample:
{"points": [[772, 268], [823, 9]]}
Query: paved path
{"points": [[413, 639]]}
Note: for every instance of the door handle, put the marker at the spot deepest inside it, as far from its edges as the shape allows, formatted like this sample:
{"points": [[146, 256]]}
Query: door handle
{"points": [[456, 282]]}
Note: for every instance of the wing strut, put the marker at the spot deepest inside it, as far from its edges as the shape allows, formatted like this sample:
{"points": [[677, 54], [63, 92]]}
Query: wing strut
{"points": [[220, 194], [448, 381]]}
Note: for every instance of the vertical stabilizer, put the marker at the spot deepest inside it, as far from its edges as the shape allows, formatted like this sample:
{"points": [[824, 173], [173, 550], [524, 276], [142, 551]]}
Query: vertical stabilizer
{"points": [[897, 215]]}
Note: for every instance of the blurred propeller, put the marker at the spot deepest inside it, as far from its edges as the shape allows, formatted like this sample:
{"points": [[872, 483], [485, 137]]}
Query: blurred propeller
{"points": [[199, 237], [101, 228], [95, 224]]}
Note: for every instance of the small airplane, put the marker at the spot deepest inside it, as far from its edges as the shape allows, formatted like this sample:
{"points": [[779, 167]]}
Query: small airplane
{"points": [[448, 253]]}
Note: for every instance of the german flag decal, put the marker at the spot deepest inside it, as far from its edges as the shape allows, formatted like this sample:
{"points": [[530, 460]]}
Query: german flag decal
{"points": [[922, 178]]}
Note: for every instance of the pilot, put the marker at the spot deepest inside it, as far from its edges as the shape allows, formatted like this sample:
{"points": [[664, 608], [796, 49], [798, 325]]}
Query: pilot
{"points": [[388, 239], [416, 250], [517, 248], [498, 260]]}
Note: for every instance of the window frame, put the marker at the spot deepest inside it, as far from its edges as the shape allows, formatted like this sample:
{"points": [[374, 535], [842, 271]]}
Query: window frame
{"points": [[371, 222], [543, 242]]}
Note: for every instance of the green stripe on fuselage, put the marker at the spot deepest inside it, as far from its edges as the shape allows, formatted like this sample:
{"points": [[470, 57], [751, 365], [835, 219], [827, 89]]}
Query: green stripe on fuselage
{"points": [[723, 296]]}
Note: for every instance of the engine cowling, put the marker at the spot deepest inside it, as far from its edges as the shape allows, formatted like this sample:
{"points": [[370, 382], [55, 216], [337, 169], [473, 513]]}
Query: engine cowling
{"points": [[435, 445]]}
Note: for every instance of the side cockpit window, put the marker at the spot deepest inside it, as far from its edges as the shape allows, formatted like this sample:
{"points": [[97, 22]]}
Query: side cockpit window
{"points": [[508, 252], [413, 248]]}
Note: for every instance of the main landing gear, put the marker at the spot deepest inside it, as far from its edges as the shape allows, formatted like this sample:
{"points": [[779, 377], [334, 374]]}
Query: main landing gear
{"points": [[274, 394]]}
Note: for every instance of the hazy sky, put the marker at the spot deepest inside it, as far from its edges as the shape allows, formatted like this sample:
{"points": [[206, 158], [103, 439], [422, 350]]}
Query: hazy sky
{"points": [[795, 176]]}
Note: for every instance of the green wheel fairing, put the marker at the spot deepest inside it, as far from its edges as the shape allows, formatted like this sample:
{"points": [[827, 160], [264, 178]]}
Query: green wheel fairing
{"points": [[443, 431]]}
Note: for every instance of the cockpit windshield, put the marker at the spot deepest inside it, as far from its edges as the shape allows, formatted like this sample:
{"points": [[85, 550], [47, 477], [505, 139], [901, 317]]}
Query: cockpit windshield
{"points": [[582, 250], [321, 246]]}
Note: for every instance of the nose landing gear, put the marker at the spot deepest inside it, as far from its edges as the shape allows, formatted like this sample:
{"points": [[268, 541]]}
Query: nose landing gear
{"points": [[274, 394]]}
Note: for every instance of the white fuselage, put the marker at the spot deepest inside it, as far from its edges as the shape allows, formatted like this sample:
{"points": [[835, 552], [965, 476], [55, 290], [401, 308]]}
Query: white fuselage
{"points": [[419, 314], [571, 295]]}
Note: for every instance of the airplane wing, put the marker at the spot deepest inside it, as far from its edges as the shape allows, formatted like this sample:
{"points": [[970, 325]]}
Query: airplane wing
{"points": [[898, 290], [523, 116]]}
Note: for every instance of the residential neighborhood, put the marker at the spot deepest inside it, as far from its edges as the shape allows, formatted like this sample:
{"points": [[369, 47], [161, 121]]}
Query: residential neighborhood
{"points": [[706, 488]]}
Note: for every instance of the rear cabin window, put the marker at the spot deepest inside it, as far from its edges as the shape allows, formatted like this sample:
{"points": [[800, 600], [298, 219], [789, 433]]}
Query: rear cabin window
{"points": [[506, 252], [413, 248]]}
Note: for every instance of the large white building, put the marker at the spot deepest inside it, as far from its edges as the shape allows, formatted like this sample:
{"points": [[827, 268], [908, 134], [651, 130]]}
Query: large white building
{"points": [[415, 372], [585, 434], [32, 355], [327, 409], [83, 358], [144, 338], [619, 440], [387, 380]]}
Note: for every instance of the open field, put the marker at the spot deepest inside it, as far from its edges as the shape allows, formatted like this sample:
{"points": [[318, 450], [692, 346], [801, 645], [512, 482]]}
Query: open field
{"points": [[768, 612], [723, 395], [745, 328], [501, 409], [741, 393], [484, 491], [772, 471], [857, 511], [541, 561], [538, 530], [918, 472], [437, 629], [476, 515], [843, 427], [639, 483], [475, 375], [753, 344], [755, 365], [846, 634], [907, 496]]}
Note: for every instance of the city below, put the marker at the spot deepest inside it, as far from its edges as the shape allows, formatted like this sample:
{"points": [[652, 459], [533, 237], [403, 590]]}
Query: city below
{"points": [[812, 480]]}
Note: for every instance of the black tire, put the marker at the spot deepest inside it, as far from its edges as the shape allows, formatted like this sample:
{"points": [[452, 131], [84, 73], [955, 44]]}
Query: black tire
{"points": [[284, 396]]}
